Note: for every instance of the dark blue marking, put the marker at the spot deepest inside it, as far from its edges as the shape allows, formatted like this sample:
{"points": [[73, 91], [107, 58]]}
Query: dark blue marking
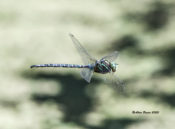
{"points": [[79, 66]]}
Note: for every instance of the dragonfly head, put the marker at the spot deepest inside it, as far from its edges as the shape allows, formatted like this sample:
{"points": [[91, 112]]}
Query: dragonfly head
{"points": [[113, 66]]}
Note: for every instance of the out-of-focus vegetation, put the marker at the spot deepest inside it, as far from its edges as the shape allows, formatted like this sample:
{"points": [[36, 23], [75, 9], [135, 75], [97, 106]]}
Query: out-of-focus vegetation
{"points": [[36, 32]]}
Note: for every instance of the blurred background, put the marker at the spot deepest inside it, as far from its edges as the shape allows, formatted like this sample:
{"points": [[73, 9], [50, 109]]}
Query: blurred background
{"points": [[36, 32]]}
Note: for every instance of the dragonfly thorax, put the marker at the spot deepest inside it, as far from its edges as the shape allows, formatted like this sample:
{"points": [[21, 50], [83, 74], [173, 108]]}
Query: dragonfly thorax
{"points": [[104, 66]]}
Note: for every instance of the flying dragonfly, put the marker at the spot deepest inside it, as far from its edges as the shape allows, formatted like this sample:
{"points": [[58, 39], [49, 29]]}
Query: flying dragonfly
{"points": [[105, 65]]}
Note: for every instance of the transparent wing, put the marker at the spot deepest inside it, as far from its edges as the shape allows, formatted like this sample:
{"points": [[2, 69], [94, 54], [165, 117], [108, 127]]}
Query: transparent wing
{"points": [[87, 74], [112, 56], [113, 79], [86, 57]]}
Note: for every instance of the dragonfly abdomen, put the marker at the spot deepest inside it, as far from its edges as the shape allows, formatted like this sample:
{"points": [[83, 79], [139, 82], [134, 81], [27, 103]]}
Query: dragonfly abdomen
{"points": [[61, 65]]}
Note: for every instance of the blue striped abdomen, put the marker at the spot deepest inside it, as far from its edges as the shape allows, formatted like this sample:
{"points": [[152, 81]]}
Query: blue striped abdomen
{"points": [[62, 65]]}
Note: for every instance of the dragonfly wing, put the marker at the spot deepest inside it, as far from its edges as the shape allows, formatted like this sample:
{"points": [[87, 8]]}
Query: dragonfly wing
{"points": [[118, 84], [87, 74], [86, 57], [112, 56]]}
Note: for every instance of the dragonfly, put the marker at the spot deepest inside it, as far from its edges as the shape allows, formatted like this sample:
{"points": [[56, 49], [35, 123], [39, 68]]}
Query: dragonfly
{"points": [[104, 66]]}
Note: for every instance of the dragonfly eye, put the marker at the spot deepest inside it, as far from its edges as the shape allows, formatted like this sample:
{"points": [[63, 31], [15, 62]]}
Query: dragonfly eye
{"points": [[113, 66]]}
